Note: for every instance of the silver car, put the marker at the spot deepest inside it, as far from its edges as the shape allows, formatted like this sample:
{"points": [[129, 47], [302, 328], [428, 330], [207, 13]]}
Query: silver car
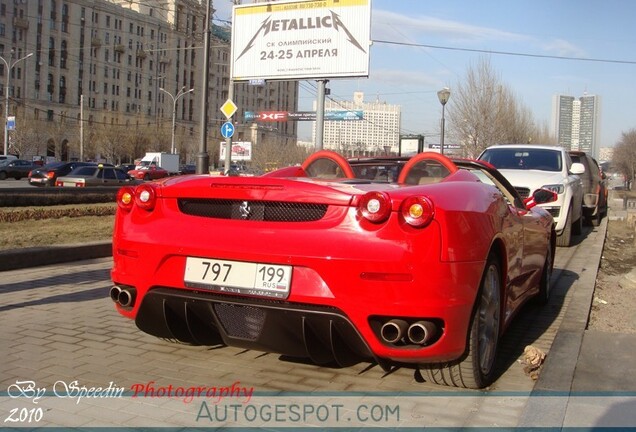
{"points": [[96, 175]]}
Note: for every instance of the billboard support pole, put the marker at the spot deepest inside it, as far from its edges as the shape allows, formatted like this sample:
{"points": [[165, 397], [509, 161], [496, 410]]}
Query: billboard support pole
{"points": [[203, 157], [228, 141], [320, 114]]}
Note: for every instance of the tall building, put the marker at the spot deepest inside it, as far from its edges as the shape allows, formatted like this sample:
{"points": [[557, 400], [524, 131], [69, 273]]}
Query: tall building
{"points": [[105, 70], [576, 122], [378, 132]]}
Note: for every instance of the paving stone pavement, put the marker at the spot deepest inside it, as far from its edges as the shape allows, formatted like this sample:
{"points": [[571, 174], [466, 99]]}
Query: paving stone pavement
{"points": [[59, 328]]}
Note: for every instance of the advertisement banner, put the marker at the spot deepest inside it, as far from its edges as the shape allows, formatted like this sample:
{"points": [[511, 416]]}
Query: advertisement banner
{"points": [[241, 151], [301, 40], [281, 116]]}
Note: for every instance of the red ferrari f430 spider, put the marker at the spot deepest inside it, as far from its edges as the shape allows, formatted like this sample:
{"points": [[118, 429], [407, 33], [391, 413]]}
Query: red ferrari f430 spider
{"points": [[422, 260]]}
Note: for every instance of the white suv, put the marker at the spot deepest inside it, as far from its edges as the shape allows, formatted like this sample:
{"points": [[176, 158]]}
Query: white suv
{"points": [[531, 167]]}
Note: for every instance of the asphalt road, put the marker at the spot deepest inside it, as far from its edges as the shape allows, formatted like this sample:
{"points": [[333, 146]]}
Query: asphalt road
{"points": [[62, 340]]}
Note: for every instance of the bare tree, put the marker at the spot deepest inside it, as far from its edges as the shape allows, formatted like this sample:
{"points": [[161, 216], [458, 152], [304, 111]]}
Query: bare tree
{"points": [[486, 112], [624, 157], [477, 109], [269, 153], [29, 137], [60, 130], [111, 140], [143, 136]]}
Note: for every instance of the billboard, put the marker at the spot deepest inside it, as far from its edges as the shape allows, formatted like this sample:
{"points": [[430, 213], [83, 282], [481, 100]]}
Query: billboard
{"points": [[410, 146], [301, 40], [281, 116], [241, 151]]}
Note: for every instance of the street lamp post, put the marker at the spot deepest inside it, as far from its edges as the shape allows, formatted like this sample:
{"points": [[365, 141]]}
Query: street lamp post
{"points": [[175, 98], [443, 95], [6, 96]]}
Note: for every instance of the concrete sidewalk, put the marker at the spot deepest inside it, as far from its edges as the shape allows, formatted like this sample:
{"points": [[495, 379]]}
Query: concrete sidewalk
{"points": [[589, 377]]}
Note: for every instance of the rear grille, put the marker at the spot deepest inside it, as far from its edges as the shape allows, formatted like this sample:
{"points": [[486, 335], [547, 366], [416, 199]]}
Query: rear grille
{"points": [[523, 191], [269, 211], [243, 322]]}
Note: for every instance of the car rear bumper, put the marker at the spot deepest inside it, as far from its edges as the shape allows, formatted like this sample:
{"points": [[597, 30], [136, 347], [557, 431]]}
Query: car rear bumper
{"points": [[35, 181], [330, 305]]}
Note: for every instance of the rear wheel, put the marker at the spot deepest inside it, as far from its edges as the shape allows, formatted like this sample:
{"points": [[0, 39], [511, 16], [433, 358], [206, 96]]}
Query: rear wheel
{"points": [[546, 275], [3, 175], [564, 239], [477, 368]]}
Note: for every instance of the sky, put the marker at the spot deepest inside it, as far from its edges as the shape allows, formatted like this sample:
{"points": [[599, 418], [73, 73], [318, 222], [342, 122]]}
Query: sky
{"points": [[571, 47]]}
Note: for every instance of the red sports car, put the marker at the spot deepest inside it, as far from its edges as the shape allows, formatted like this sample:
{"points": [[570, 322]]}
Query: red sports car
{"points": [[151, 172], [422, 261]]}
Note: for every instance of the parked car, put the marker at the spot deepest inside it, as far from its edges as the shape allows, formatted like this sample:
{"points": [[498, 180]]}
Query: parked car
{"points": [[532, 167], [150, 172], [594, 188], [187, 169], [322, 261], [47, 174], [7, 157], [95, 175], [15, 168], [127, 167]]}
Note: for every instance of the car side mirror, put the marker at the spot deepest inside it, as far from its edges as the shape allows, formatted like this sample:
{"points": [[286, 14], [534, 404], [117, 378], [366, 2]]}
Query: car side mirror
{"points": [[540, 196], [577, 168]]}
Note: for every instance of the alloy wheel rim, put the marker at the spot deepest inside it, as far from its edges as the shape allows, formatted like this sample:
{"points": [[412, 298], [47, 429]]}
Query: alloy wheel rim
{"points": [[489, 320]]}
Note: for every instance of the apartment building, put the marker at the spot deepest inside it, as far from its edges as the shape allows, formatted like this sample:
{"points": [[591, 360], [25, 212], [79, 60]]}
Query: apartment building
{"points": [[576, 122], [93, 74]]}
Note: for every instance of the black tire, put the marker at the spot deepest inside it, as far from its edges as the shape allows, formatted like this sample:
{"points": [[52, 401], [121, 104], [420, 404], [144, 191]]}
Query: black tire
{"points": [[577, 226], [565, 238], [476, 369], [3, 175], [546, 274], [147, 177]]}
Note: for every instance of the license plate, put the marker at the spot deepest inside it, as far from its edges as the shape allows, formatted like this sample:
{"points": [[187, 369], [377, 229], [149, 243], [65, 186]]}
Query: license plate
{"points": [[266, 280]]}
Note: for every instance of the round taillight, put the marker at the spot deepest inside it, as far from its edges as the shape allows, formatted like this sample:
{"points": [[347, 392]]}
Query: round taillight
{"points": [[417, 211], [145, 197], [375, 206], [125, 198]]}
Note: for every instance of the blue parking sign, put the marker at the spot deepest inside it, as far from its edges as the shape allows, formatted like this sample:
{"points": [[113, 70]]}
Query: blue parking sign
{"points": [[11, 123]]}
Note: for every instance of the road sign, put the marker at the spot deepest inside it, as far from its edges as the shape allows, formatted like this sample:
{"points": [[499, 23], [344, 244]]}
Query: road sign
{"points": [[228, 108], [11, 123], [227, 130]]}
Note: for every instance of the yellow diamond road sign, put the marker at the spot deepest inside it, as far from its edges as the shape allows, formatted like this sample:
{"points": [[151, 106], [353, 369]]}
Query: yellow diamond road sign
{"points": [[229, 108]]}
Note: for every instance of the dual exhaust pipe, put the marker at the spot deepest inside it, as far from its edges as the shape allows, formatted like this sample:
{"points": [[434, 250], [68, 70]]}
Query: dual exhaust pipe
{"points": [[418, 333], [124, 297]]}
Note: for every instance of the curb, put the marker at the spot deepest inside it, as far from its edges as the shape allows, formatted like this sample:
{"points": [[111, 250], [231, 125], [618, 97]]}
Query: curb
{"points": [[557, 375], [15, 259]]}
